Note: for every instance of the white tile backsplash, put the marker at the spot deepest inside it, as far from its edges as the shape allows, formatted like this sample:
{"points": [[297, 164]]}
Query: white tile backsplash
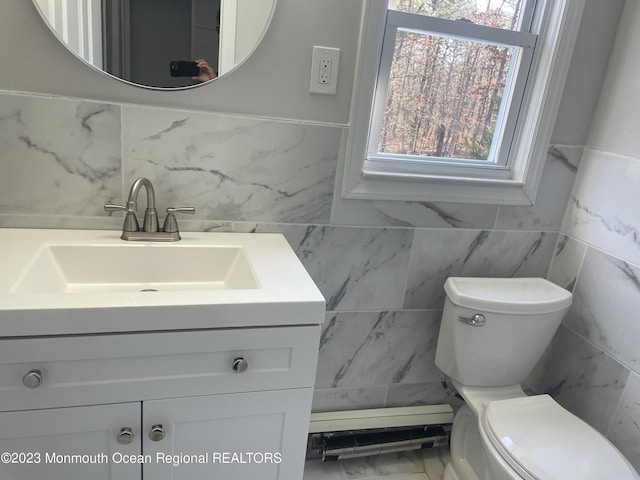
{"points": [[605, 306], [555, 187], [355, 268], [567, 261], [234, 168], [348, 398], [412, 214], [438, 254], [582, 378], [383, 348], [58, 157], [602, 209]]}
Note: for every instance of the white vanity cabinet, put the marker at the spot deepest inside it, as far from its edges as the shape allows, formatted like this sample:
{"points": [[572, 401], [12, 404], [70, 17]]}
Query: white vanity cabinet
{"points": [[37, 441], [183, 405], [255, 435]]}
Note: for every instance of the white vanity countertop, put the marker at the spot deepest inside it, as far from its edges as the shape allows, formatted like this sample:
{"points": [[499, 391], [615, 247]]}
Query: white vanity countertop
{"points": [[278, 291]]}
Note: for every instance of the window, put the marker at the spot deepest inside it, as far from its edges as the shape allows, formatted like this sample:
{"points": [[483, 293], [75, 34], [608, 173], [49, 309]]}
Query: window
{"points": [[455, 100]]}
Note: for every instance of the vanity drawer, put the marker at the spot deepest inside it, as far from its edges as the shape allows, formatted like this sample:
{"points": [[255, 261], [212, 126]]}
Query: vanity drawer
{"points": [[84, 370]]}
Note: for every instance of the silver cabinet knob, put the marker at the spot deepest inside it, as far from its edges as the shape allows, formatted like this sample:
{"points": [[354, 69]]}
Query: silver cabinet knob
{"points": [[156, 433], [240, 365], [126, 436], [32, 379]]}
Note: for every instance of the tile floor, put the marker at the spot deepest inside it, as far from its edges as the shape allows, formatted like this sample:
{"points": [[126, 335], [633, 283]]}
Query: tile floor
{"points": [[427, 464]]}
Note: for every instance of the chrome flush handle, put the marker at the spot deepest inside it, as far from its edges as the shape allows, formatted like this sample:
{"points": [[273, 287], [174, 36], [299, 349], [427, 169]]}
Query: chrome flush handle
{"points": [[476, 320]]}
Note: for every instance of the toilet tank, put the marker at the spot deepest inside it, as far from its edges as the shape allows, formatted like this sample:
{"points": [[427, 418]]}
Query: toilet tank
{"points": [[517, 319]]}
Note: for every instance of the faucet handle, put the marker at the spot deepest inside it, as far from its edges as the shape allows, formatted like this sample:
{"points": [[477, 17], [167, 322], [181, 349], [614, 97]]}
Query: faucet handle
{"points": [[130, 221], [170, 222], [172, 210], [110, 207]]}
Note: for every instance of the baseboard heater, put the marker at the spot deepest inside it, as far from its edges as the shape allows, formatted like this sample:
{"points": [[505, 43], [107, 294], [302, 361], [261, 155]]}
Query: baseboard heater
{"points": [[360, 433]]}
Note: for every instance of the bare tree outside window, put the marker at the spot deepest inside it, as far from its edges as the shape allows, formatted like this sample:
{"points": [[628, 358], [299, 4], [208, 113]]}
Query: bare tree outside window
{"points": [[503, 14], [444, 94]]}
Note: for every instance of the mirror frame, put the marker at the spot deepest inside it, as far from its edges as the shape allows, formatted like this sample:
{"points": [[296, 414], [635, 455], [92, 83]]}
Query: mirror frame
{"points": [[58, 37]]}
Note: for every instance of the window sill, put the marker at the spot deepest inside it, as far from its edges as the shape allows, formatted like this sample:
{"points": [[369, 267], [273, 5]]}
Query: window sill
{"points": [[410, 187]]}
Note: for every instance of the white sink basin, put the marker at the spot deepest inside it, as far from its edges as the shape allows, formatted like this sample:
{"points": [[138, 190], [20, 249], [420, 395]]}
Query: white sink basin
{"points": [[136, 268], [89, 281]]}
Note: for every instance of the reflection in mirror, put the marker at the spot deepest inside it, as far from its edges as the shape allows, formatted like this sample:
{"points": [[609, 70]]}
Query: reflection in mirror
{"points": [[136, 40]]}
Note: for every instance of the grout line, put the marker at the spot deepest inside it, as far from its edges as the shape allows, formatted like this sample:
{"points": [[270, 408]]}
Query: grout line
{"points": [[600, 349], [601, 249], [495, 222], [212, 111], [617, 409]]}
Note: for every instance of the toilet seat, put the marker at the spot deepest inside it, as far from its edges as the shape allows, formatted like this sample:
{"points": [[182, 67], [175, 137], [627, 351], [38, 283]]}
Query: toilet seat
{"points": [[541, 440]]}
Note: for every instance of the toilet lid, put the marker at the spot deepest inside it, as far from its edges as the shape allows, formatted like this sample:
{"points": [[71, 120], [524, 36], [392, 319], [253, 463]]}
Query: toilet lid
{"points": [[549, 443]]}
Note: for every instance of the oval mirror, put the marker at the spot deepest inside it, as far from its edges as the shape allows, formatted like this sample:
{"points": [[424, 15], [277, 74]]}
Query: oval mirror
{"points": [[164, 44]]}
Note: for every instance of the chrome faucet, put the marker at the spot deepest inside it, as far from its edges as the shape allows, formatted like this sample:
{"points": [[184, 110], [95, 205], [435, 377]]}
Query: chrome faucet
{"points": [[150, 230], [150, 222]]}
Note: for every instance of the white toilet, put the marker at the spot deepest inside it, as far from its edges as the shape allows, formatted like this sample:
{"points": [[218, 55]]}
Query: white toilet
{"points": [[493, 332]]}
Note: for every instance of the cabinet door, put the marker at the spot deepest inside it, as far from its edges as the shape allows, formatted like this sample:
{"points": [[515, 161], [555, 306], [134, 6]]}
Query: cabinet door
{"points": [[248, 436], [40, 440]]}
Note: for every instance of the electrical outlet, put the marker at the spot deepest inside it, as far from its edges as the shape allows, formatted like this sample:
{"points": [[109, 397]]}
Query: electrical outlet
{"points": [[324, 70], [324, 76]]}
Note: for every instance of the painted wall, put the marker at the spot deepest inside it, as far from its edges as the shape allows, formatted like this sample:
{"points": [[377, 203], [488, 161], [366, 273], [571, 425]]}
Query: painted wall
{"points": [[254, 151], [593, 364], [272, 83]]}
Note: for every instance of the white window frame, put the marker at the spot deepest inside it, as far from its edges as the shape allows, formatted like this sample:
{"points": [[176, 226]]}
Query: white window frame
{"points": [[366, 176]]}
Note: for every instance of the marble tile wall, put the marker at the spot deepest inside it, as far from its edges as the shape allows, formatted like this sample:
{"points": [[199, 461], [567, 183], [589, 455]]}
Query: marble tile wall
{"points": [[59, 157], [592, 366], [381, 265]]}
